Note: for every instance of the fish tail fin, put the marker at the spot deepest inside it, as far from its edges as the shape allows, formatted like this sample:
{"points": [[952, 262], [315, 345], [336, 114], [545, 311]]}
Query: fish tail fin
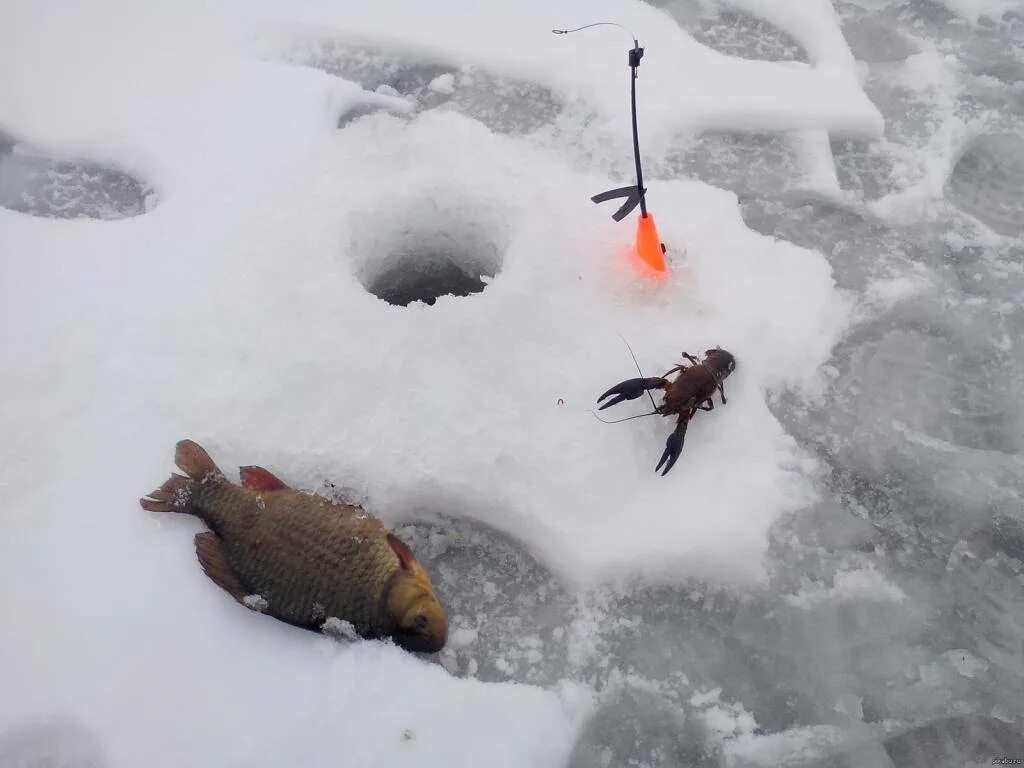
{"points": [[194, 461], [175, 495]]}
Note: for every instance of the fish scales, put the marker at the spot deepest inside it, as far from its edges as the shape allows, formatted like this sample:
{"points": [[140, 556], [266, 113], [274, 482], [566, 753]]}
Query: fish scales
{"points": [[309, 558], [294, 549]]}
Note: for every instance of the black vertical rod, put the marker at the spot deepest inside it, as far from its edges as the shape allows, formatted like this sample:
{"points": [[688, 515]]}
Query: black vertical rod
{"points": [[634, 61]]}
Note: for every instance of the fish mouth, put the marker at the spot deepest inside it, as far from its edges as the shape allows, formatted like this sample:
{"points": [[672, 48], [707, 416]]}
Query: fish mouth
{"points": [[419, 643]]}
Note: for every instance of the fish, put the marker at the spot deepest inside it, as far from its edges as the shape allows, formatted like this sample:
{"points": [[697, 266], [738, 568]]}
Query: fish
{"points": [[300, 557]]}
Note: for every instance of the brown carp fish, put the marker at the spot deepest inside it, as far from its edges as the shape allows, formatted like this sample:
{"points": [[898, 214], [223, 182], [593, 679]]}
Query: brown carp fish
{"points": [[300, 557]]}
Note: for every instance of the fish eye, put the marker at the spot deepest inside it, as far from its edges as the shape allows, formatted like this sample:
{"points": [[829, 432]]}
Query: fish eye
{"points": [[420, 622]]}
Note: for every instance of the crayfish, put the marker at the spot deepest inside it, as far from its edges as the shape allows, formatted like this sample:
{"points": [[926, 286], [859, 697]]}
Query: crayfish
{"points": [[689, 392]]}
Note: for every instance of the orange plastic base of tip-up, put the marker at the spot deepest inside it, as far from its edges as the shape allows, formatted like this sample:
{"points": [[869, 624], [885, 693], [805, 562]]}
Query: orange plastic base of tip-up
{"points": [[648, 245]]}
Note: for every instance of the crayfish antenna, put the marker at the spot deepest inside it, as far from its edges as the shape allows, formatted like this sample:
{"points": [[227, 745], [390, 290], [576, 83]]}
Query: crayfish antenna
{"points": [[616, 421], [637, 364]]}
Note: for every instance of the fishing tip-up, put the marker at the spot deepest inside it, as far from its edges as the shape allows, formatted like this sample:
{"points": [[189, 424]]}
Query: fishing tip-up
{"points": [[648, 245]]}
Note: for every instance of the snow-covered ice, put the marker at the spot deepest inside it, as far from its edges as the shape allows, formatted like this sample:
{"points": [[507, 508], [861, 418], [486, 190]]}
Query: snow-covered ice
{"points": [[245, 225]]}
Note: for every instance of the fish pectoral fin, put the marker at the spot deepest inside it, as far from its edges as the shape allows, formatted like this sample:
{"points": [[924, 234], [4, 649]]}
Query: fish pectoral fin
{"points": [[259, 479], [213, 558], [405, 556]]}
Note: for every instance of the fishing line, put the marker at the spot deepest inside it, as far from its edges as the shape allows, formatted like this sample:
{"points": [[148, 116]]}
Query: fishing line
{"points": [[653, 404], [597, 24]]}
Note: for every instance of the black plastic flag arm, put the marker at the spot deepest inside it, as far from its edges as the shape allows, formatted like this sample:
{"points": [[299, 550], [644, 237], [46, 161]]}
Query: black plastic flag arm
{"points": [[634, 193], [633, 196]]}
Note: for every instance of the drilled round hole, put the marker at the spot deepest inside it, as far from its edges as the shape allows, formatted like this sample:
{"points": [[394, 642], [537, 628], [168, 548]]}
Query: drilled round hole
{"points": [[429, 248]]}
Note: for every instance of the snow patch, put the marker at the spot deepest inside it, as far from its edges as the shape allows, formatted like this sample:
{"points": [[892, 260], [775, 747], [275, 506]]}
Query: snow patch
{"points": [[256, 602], [443, 83], [859, 584], [339, 628]]}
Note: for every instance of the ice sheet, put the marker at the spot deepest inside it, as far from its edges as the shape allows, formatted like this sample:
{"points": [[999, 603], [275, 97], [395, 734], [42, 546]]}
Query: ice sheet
{"points": [[792, 591]]}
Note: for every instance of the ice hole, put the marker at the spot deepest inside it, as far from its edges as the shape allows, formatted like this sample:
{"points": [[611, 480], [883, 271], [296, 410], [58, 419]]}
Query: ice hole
{"points": [[434, 249]]}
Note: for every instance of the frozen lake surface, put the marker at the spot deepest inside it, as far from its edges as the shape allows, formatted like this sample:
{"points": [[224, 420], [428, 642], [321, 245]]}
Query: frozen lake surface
{"points": [[352, 242]]}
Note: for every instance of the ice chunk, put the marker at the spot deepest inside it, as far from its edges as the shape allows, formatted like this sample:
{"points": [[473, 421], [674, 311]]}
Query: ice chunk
{"points": [[443, 83]]}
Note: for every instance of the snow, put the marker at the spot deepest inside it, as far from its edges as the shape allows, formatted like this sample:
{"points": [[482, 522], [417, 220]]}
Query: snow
{"points": [[859, 584], [443, 83], [740, 290], [255, 602], [797, 747], [745, 603]]}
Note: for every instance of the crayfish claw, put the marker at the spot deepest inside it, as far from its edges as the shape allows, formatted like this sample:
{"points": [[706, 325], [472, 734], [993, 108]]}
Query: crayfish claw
{"points": [[630, 389], [673, 447], [668, 458]]}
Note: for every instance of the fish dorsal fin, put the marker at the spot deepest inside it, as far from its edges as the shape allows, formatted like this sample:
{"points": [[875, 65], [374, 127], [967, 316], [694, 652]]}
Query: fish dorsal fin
{"points": [[405, 555], [259, 479]]}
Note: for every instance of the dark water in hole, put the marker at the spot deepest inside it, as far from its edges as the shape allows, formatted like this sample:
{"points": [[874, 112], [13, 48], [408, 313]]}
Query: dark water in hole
{"points": [[424, 280]]}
